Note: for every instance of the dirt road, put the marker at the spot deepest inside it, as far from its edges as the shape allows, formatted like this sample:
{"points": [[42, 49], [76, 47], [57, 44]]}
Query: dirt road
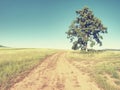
{"points": [[56, 73]]}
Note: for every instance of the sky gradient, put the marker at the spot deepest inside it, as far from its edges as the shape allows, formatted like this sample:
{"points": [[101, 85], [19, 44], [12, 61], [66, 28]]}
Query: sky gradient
{"points": [[43, 23]]}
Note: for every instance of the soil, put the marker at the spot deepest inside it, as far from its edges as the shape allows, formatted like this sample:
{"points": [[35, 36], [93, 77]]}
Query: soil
{"points": [[56, 73]]}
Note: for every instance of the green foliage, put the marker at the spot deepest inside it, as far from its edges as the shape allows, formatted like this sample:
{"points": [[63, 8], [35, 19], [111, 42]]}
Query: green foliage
{"points": [[85, 28]]}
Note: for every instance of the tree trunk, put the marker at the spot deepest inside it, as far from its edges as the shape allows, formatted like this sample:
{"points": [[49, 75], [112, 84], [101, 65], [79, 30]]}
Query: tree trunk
{"points": [[86, 37], [86, 49]]}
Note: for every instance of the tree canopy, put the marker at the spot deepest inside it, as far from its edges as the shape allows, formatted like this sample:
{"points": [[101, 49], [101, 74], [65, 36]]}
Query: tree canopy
{"points": [[85, 28]]}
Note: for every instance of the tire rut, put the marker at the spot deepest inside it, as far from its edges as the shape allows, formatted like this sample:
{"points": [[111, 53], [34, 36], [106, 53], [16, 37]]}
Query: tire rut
{"points": [[56, 73]]}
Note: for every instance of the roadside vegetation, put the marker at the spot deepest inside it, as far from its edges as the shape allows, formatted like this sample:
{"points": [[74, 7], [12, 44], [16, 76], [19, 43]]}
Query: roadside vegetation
{"points": [[13, 62], [102, 66]]}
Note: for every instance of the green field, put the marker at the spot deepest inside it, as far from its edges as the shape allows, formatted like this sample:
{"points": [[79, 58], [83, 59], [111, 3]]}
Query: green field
{"points": [[16, 61], [102, 66]]}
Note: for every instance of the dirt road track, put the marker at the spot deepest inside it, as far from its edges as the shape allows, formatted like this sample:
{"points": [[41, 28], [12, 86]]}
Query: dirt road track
{"points": [[56, 73]]}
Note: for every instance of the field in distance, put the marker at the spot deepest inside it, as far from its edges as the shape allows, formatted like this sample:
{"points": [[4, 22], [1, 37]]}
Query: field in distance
{"points": [[100, 67]]}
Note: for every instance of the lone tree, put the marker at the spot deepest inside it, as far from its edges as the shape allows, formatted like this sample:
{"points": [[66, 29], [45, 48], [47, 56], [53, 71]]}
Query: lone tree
{"points": [[85, 28]]}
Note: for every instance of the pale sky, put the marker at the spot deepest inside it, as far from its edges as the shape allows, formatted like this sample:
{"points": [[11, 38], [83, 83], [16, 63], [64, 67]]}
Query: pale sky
{"points": [[43, 23]]}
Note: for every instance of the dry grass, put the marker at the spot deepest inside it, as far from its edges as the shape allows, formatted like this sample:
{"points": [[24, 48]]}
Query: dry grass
{"points": [[103, 66], [15, 61]]}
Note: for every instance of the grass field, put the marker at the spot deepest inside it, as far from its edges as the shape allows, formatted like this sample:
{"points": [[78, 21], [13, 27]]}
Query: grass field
{"points": [[15, 61], [102, 66]]}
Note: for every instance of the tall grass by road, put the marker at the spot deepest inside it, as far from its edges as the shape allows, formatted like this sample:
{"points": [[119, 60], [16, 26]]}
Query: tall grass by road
{"points": [[15, 61], [102, 66]]}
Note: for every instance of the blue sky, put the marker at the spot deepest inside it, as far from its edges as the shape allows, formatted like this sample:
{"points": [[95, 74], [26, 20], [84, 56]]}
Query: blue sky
{"points": [[43, 23]]}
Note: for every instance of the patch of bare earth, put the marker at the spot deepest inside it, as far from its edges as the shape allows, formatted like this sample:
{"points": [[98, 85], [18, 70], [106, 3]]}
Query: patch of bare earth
{"points": [[56, 73]]}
